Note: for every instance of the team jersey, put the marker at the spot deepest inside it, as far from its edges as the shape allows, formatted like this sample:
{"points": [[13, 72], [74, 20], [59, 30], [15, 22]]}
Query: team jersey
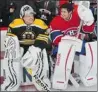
{"points": [[29, 32], [60, 27]]}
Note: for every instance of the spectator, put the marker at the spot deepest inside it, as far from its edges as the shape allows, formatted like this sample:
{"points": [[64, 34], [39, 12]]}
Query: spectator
{"points": [[46, 10], [19, 4], [8, 14], [2, 8]]}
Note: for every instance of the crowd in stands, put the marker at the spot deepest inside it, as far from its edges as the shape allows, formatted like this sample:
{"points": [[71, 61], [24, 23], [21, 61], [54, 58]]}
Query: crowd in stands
{"points": [[45, 9]]}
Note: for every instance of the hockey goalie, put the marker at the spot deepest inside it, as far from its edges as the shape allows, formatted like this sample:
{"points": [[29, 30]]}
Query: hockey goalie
{"points": [[25, 46], [66, 36]]}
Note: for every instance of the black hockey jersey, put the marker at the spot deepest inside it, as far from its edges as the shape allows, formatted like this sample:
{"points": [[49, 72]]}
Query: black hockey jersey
{"points": [[29, 32]]}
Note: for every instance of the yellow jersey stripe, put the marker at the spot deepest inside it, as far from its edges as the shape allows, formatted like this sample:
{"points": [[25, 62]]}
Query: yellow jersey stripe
{"points": [[42, 39], [42, 35], [19, 22]]}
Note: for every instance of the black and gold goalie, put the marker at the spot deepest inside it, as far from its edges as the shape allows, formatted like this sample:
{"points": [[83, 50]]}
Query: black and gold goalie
{"points": [[30, 34]]}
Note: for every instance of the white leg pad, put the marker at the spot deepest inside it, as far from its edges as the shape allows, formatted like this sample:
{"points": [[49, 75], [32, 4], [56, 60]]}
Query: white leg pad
{"points": [[65, 57], [41, 78], [11, 65], [88, 65], [12, 74]]}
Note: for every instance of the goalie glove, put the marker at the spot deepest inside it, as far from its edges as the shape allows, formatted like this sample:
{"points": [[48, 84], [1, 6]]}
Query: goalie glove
{"points": [[85, 13]]}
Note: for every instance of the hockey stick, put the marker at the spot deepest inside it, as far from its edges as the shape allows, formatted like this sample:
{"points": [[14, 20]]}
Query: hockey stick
{"points": [[79, 28]]}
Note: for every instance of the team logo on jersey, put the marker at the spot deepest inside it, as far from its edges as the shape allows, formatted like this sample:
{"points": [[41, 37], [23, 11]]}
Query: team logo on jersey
{"points": [[71, 31], [28, 35]]}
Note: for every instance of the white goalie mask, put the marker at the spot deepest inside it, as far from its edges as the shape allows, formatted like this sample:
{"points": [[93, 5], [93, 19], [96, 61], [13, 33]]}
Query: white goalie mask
{"points": [[26, 10]]}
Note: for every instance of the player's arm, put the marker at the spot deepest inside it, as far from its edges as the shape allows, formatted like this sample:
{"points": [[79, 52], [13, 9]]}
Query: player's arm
{"points": [[56, 36], [11, 27], [41, 40], [55, 33]]}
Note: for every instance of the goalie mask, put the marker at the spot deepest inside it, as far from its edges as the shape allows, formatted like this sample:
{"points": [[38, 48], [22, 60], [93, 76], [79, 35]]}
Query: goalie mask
{"points": [[26, 10]]}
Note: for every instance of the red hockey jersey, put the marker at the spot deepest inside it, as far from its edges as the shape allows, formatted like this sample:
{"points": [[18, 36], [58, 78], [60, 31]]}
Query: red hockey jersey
{"points": [[61, 27]]}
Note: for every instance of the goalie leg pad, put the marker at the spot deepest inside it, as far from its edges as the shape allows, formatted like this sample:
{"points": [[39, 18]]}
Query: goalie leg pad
{"points": [[11, 65], [12, 74], [88, 65], [63, 65], [65, 56], [38, 62], [41, 78]]}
